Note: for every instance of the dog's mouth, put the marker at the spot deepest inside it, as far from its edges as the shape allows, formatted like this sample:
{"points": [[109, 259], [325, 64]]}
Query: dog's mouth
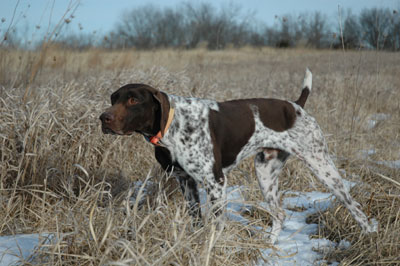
{"points": [[107, 130]]}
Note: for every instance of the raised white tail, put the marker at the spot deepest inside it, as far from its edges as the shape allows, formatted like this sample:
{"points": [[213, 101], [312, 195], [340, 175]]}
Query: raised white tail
{"points": [[307, 83]]}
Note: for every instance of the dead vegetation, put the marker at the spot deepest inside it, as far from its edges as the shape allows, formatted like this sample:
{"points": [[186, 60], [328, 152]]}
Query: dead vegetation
{"points": [[59, 173]]}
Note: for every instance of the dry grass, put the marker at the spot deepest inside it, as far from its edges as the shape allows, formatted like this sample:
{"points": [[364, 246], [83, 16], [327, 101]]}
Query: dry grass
{"points": [[59, 173]]}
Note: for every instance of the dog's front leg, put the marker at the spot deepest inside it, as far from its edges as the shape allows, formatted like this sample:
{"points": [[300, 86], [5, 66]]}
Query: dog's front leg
{"points": [[189, 190], [187, 184], [215, 185]]}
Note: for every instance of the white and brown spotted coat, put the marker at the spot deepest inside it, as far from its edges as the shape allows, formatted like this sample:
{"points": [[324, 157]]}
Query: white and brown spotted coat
{"points": [[207, 139]]}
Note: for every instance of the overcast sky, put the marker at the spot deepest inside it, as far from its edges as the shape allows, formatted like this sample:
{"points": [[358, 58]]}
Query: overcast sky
{"points": [[102, 15]]}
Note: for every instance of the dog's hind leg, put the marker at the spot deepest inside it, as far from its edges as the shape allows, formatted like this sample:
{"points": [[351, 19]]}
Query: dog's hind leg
{"points": [[268, 165], [323, 167], [310, 146]]}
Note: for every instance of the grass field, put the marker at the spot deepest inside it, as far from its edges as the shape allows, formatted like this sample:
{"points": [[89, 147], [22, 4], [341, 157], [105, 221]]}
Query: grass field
{"points": [[60, 174]]}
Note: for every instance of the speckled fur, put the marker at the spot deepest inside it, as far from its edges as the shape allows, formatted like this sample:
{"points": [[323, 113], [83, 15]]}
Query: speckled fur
{"points": [[207, 139], [189, 142]]}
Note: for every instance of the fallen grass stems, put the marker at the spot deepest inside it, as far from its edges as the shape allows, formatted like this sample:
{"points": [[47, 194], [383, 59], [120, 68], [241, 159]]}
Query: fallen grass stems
{"points": [[60, 174]]}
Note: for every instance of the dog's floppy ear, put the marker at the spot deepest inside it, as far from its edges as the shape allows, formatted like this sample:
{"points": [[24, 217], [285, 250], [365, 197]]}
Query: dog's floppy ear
{"points": [[162, 98]]}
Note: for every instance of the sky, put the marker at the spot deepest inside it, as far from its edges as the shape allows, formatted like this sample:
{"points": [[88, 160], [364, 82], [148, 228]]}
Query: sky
{"points": [[101, 16]]}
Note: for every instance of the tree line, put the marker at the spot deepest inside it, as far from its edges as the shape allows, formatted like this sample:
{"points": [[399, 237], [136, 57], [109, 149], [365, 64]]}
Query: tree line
{"points": [[202, 25]]}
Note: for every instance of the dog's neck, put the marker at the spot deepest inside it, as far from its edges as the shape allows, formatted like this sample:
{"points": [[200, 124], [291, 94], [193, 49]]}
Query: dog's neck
{"points": [[162, 120], [156, 139], [154, 127]]}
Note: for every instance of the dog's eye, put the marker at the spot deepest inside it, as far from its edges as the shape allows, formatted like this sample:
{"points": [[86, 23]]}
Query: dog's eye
{"points": [[132, 101]]}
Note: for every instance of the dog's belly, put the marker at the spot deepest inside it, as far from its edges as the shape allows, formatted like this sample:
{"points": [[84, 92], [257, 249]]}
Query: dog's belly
{"points": [[262, 138]]}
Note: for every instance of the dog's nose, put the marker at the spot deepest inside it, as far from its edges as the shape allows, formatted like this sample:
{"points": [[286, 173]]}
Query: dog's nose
{"points": [[106, 118]]}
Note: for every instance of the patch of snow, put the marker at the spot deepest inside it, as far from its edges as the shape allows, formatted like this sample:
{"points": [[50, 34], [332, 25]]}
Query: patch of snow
{"points": [[373, 119], [391, 164], [364, 154], [234, 206], [349, 184], [375, 225], [18, 248], [135, 191], [308, 200], [294, 246], [344, 244]]}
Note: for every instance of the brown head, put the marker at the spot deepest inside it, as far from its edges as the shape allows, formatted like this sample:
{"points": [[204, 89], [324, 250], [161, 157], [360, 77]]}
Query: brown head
{"points": [[135, 108]]}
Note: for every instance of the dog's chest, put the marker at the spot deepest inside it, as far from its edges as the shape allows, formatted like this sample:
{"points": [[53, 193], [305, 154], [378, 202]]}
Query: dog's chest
{"points": [[188, 138]]}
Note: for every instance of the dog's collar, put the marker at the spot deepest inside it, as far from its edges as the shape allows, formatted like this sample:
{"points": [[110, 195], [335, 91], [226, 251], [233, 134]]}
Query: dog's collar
{"points": [[155, 140]]}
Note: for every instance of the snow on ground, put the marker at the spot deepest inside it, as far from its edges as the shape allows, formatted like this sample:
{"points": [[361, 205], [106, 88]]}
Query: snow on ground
{"points": [[14, 249], [294, 245], [365, 154], [391, 164], [374, 119]]}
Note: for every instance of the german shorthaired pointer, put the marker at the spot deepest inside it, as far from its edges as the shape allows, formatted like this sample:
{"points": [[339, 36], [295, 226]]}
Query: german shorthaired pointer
{"points": [[202, 140]]}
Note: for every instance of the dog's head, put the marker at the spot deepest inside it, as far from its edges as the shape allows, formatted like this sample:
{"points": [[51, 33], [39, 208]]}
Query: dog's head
{"points": [[135, 108]]}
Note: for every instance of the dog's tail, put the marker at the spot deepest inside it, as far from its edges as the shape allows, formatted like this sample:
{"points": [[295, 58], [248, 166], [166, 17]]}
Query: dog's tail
{"points": [[307, 85]]}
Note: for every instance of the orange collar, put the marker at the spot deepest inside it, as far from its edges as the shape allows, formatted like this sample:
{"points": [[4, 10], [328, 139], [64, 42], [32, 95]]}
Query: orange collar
{"points": [[155, 140]]}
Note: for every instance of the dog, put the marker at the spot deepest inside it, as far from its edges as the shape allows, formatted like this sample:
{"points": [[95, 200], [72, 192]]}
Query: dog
{"points": [[201, 140]]}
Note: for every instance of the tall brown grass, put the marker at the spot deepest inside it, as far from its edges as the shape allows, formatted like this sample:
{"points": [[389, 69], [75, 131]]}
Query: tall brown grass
{"points": [[59, 173]]}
